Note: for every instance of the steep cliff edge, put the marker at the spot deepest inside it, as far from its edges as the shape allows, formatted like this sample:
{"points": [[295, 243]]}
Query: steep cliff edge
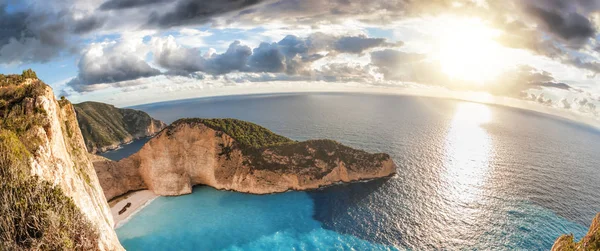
{"points": [[105, 127], [236, 155], [51, 196], [591, 241]]}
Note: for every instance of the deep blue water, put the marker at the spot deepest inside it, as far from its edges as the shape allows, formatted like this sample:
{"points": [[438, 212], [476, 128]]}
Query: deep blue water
{"points": [[470, 176], [126, 150]]}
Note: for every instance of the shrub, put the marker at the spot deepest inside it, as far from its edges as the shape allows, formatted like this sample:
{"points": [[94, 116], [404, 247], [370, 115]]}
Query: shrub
{"points": [[248, 135], [35, 214]]}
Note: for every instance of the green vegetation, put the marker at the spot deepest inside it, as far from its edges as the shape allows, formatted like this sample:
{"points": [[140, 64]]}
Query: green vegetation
{"points": [[589, 242], [19, 114], [14, 79], [248, 135], [308, 153], [104, 125], [35, 214]]}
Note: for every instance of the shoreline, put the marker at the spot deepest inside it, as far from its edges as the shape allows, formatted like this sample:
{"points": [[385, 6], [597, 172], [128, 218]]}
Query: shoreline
{"points": [[142, 198], [138, 199]]}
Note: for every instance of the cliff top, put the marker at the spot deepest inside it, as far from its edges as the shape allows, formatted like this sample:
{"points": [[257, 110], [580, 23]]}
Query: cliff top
{"points": [[24, 126], [18, 112], [245, 133], [591, 241]]}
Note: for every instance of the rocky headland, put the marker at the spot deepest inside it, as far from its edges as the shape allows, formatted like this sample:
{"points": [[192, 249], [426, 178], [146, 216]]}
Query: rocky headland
{"points": [[591, 241], [50, 196], [236, 155], [106, 127]]}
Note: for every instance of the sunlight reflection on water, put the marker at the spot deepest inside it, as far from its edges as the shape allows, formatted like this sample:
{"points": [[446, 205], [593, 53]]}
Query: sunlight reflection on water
{"points": [[466, 162]]}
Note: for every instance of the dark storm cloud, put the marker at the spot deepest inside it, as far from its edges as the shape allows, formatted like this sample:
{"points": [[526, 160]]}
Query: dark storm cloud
{"points": [[87, 24], [571, 26], [128, 4], [30, 37], [197, 11], [12, 25], [557, 29]]}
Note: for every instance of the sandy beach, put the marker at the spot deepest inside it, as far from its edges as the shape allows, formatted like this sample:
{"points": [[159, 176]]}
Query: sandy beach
{"points": [[138, 200]]}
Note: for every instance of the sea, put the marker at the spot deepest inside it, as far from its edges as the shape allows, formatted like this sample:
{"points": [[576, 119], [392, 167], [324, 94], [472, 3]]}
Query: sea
{"points": [[470, 176]]}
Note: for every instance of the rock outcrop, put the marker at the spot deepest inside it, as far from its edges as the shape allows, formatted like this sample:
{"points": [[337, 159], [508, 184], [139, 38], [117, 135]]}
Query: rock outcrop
{"points": [[105, 127], [51, 196], [591, 241], [236, 155]]}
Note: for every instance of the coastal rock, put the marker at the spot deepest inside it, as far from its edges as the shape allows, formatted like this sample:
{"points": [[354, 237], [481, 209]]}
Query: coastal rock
{"points": [[591, 241], [105, 127], [236, 155], [44, 133]]}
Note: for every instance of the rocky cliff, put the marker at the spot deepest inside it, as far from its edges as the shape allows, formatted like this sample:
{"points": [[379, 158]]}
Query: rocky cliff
{"points": [[50, 196], [236, 155], [105, 127], [591, 241]]}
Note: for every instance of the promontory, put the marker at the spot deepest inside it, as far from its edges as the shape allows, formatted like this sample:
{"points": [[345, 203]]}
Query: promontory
{"points": [[106, 127], [236, 155]]}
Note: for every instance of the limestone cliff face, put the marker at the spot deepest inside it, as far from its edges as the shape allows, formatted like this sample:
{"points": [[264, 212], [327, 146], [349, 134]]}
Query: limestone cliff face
{"points": [[190, 153], [59, 158], [105, 127], [591, 241]]}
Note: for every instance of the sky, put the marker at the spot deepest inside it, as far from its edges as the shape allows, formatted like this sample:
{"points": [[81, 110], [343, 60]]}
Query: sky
{"points": [[542, 53]]}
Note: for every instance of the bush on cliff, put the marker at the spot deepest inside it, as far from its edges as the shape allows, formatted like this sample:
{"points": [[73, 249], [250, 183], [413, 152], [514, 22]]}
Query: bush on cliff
{"points": [[35, 214], [245, 133]]}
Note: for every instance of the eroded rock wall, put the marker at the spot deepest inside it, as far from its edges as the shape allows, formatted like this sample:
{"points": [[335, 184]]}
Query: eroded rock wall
{"points": [[190, 154]]}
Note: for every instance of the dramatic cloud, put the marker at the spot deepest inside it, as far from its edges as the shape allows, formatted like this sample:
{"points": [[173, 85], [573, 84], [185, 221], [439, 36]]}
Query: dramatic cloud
{"points": [[398, 65], [127, 4], [197, 11], [109, 63], [566, 19], [359, 44], [27, 37], [291, 55]]}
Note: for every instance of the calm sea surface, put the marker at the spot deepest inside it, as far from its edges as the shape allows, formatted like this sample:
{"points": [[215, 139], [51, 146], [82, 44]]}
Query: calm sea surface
{"points": [[470, 176]]}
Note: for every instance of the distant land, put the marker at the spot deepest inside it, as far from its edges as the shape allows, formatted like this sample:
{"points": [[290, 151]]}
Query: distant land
{"points": [[106, 127]]}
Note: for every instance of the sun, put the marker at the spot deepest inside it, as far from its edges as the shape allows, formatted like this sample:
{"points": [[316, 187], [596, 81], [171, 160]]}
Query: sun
{"points": [[467, 51]]}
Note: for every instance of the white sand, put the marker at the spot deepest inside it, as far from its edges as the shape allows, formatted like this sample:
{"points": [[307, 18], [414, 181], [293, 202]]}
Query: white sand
{"points": [[138, 200]]}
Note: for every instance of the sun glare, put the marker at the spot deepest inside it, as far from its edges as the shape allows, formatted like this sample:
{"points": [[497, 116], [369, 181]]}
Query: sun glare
{"points": [[467, 50]]}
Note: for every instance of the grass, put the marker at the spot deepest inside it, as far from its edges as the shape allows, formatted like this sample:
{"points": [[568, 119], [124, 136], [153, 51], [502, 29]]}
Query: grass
{"points": [[35, 214], [19, 114], [248, 135]]}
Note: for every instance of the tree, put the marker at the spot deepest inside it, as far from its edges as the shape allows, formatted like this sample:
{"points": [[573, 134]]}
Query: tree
{"points": [[29, 73]]}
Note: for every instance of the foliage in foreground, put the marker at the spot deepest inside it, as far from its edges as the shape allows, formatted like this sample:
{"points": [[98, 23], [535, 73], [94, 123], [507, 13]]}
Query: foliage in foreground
{"points": [[35, 214]]}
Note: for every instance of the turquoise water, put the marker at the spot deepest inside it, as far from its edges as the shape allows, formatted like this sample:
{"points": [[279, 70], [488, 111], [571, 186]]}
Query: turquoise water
{"points": [[221, 220], [470, 176]]}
